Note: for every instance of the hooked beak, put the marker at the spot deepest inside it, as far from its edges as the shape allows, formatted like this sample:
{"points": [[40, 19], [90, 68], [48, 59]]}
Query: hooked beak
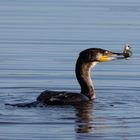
{"points": [[114, 56], [124, 55]]}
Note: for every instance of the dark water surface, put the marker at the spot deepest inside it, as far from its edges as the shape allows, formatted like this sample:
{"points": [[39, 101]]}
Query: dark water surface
{"points": [[39, 44]]}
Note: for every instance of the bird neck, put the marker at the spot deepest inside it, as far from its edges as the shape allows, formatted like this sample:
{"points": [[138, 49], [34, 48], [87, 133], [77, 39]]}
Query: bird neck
{"points": [[83, 74]]}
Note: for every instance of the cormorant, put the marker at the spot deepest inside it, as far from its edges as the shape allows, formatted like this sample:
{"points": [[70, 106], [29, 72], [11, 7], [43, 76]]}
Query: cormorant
{"points": [[86, 61]]}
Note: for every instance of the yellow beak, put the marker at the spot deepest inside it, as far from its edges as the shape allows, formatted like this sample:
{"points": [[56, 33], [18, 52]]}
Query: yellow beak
{"points": [[104, 58]]}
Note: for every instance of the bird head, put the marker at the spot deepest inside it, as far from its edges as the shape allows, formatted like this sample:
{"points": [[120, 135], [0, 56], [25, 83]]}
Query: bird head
{"points": [[101, 55]]}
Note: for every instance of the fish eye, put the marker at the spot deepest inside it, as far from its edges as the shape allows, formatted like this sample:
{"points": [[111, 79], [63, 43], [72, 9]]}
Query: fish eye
{"points": [[129, 47]]}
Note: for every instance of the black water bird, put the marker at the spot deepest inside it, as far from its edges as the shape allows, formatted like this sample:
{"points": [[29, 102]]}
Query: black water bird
{"points": [[86, 61]]}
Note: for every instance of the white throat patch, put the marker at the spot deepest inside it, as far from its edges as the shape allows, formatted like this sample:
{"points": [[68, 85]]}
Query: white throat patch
{"points": [[93, 64]]}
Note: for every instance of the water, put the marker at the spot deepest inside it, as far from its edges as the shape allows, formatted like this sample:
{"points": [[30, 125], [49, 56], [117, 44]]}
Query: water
{"points": [[39, 44]]}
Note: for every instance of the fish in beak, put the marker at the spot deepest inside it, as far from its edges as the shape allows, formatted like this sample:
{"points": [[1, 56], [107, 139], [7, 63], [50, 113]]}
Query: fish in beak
{"points": [[108, 55]]}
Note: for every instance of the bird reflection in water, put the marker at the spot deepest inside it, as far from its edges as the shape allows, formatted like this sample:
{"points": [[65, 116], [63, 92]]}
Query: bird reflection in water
{"points": [[84, 117]]}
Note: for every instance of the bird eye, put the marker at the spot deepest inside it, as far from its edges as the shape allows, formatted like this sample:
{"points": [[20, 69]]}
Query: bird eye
{"points": [[106, 52]]}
